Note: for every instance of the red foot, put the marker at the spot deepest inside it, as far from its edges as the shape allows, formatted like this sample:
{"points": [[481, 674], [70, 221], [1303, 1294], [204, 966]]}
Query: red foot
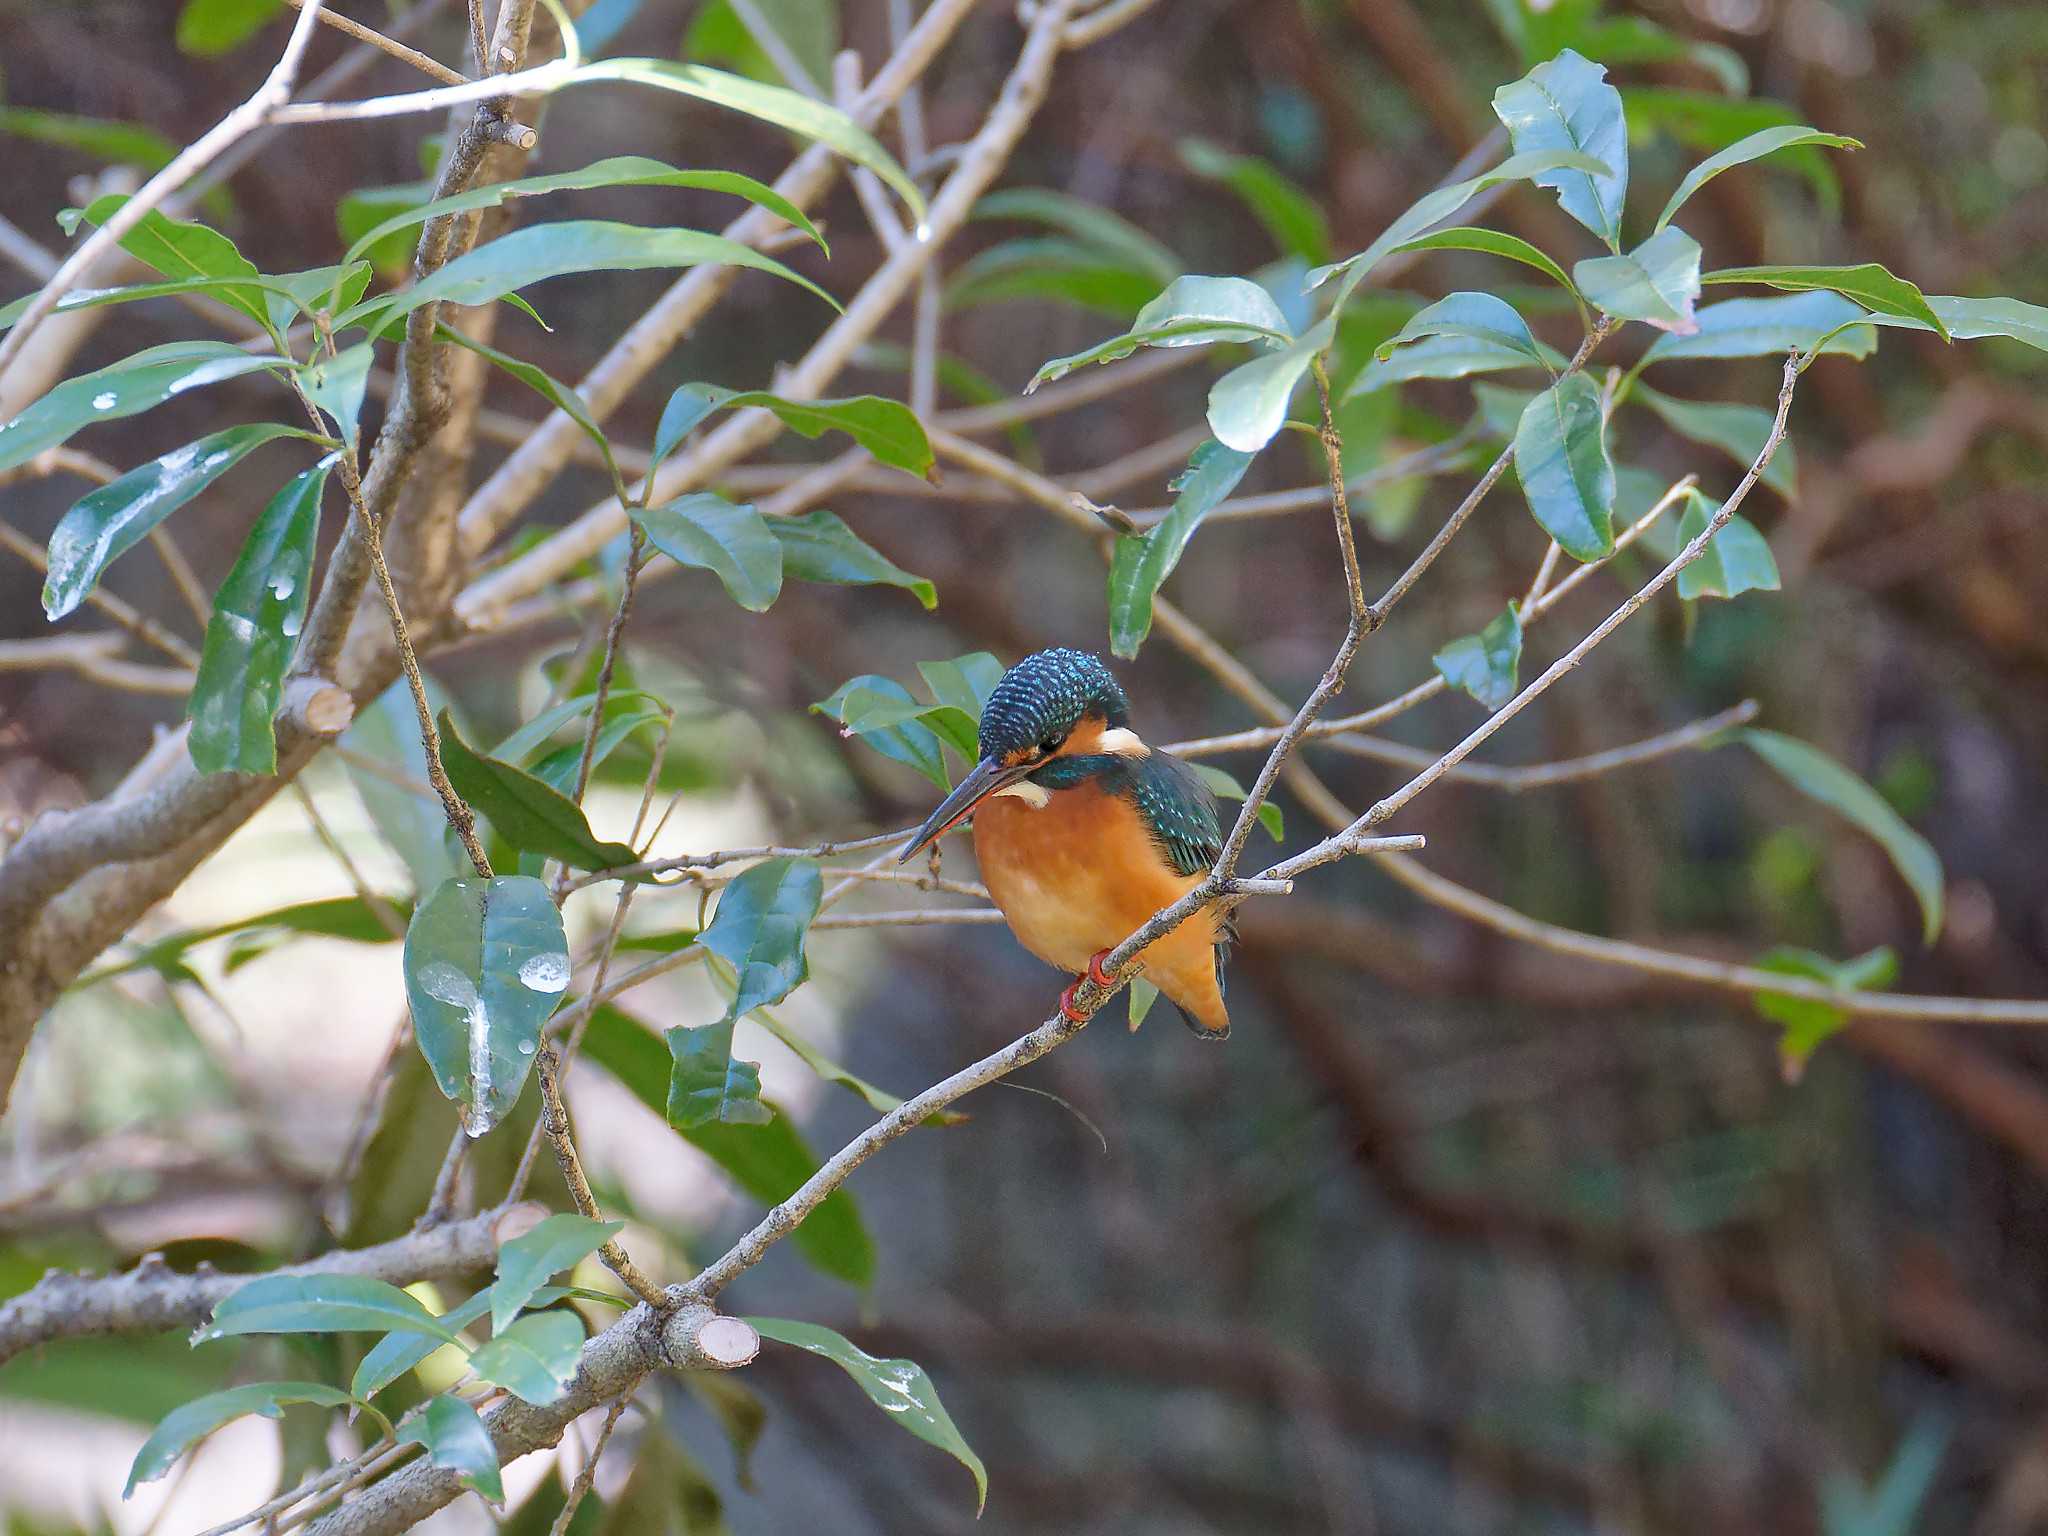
{"points": [[1096, 973], [1069, 1008]]}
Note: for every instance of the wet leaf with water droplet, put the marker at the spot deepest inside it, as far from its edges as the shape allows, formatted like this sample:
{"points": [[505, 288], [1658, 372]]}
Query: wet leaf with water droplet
{"points": [[472, 1012], [133, 385]]}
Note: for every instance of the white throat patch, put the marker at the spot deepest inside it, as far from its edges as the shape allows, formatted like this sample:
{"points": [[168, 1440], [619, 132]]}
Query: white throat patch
{"points": [[1124, 742], [1037, 796]]}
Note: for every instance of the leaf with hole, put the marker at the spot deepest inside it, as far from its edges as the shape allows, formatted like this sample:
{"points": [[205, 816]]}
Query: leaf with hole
{"points": [[486, 964], [455, 1438], [106, 523], [1814, 774], [534, 1358], [1567, 104], [729, 539], [1739, 431], [329, 1303], [1561, 460], [185, 1427], [1766, 141], [526, 810], [1485, 665], [126, 388], [1657, 283], [1139, 566], [253, 631], [530, 1260], [900, 1388]]}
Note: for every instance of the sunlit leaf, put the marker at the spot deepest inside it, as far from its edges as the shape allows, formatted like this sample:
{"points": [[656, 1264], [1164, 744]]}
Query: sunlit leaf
{"points": [[180, 248], [1249, 403], [1191, 312], [1485, 665], [455, 1438], [133, 385], [1561, 460], [486, 963], [1658, 282], [729, 539], [401, 1350], [1766, 141], [529, 1261], [534, 1358], [187, 1426], [1567, 104], [911, 742], [1474, 317], [1770, 327], [320, 1303], [1141, 564], [1869, 285]]}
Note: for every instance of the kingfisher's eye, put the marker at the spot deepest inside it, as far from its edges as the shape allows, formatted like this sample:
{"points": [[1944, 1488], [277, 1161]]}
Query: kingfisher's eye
{"points": [[1050, 745]]}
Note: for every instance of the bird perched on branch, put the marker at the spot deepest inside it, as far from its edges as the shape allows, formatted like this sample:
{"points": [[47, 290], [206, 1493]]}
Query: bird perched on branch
{"points": [[1083, 832]]}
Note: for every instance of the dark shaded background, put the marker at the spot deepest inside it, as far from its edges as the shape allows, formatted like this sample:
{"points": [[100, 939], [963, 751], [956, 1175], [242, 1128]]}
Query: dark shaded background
{"points": [[1454, 1234]]}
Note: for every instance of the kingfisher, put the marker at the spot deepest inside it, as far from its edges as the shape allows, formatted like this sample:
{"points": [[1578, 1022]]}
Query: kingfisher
{"points": [[1083, 832]]}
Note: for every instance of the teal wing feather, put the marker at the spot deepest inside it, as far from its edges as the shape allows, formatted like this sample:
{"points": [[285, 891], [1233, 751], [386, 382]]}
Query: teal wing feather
{"points": [[1179, 809]]}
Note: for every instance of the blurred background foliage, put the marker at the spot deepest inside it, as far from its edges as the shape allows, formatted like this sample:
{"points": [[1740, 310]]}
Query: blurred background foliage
{"points": [[1455, 1234]]}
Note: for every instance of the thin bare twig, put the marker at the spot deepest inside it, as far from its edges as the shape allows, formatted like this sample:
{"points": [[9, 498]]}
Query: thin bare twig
{"points": [[554, 1116], [433, 68]]}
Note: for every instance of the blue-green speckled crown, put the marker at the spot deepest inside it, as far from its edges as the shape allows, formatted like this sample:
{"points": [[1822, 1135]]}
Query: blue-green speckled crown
{"points": [[1044, 696]]}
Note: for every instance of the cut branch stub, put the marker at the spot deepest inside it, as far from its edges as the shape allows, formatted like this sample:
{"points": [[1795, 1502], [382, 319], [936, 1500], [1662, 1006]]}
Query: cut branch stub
{"points": [[486, 963]]}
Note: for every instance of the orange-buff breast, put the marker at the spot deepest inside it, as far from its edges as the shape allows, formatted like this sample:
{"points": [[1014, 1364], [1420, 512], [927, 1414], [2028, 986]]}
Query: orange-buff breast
{"points": [[1081, 875]]}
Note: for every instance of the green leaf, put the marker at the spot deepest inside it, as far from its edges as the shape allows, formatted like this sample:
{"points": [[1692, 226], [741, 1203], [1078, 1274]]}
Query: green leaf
{"points": [[1087, 224], [115, 142], [963, 683], [455, 1438], [1474, 317], [1191, 312], [1561, 460], [1492, 243], [181, 249], [1703, 121], [729, 539], [1053, 270], [1485, 665], [529, 1261], [1249, 403], [1500, 408], [1635, 40], [315, 291], [1658, 282], [96, 298], [185, 1427], [1437, 357], [1738, 560], [1567, 104], [888, 429], [617, 171], [802, 115], [410, 820], [707, 1085], [337, 917], [253, 631], [820, 547], [910, 742], [1869, 284], [1769, 327], [338, 384], [1435, 207], [546, 385], [1973, 319], [1288, 214], [486, 963], [1766, 141], [1815, 774], [768, 1162], [865, 712], [208, 28], [526, 811], [899, 1388], [542, 251], [320, 1304], [1140, 565], [399, 1351], [1225, 787], [621, 704], [126, 388], [1143, 995], [363, 209], [1739, 431], [108, 522], [1808, 1023], [535, 1358]]}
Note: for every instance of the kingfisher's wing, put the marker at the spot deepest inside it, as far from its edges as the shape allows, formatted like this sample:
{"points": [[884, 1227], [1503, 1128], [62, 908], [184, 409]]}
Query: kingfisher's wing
{"points": [[1178, 809]]}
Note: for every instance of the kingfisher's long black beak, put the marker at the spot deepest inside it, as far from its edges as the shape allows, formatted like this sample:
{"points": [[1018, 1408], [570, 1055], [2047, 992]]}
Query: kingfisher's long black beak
{"points": [[989, 775]]}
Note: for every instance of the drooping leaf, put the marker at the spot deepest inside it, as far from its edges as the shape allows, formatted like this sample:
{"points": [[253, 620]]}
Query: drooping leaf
{"points": [[1561, 460], [254, 628], [541, 251], [1769, 327], [1737, 560], [616, 171], [486, 963], [1815, 774], [1868, 284], [1141, 565], [768, 1162], [133, 385], [1707, 122], [1087, 224], [534, 1358], [620, 704], [320, 1303], [1249, 403], [399, 1351], [1225, 787], [1808, 1023], [208, 28], [185, 1427], [888, 429], [1567, 104], [455, 1438], [1658, 282], [542, 383], [729, 539], [910, 742], [1766, 141], [1493, 243], [1289, 214], [1974, 319], [526, 811], [1191, 312], [1485, 665], [1739, 431], [900, 1388], [530, 1260], [108, 522], [818, 546], [338, 384], [1477, 317]]}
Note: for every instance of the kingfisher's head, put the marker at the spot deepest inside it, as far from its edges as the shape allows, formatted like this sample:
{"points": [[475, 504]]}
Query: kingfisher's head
{"points": [[1052, 704]]}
